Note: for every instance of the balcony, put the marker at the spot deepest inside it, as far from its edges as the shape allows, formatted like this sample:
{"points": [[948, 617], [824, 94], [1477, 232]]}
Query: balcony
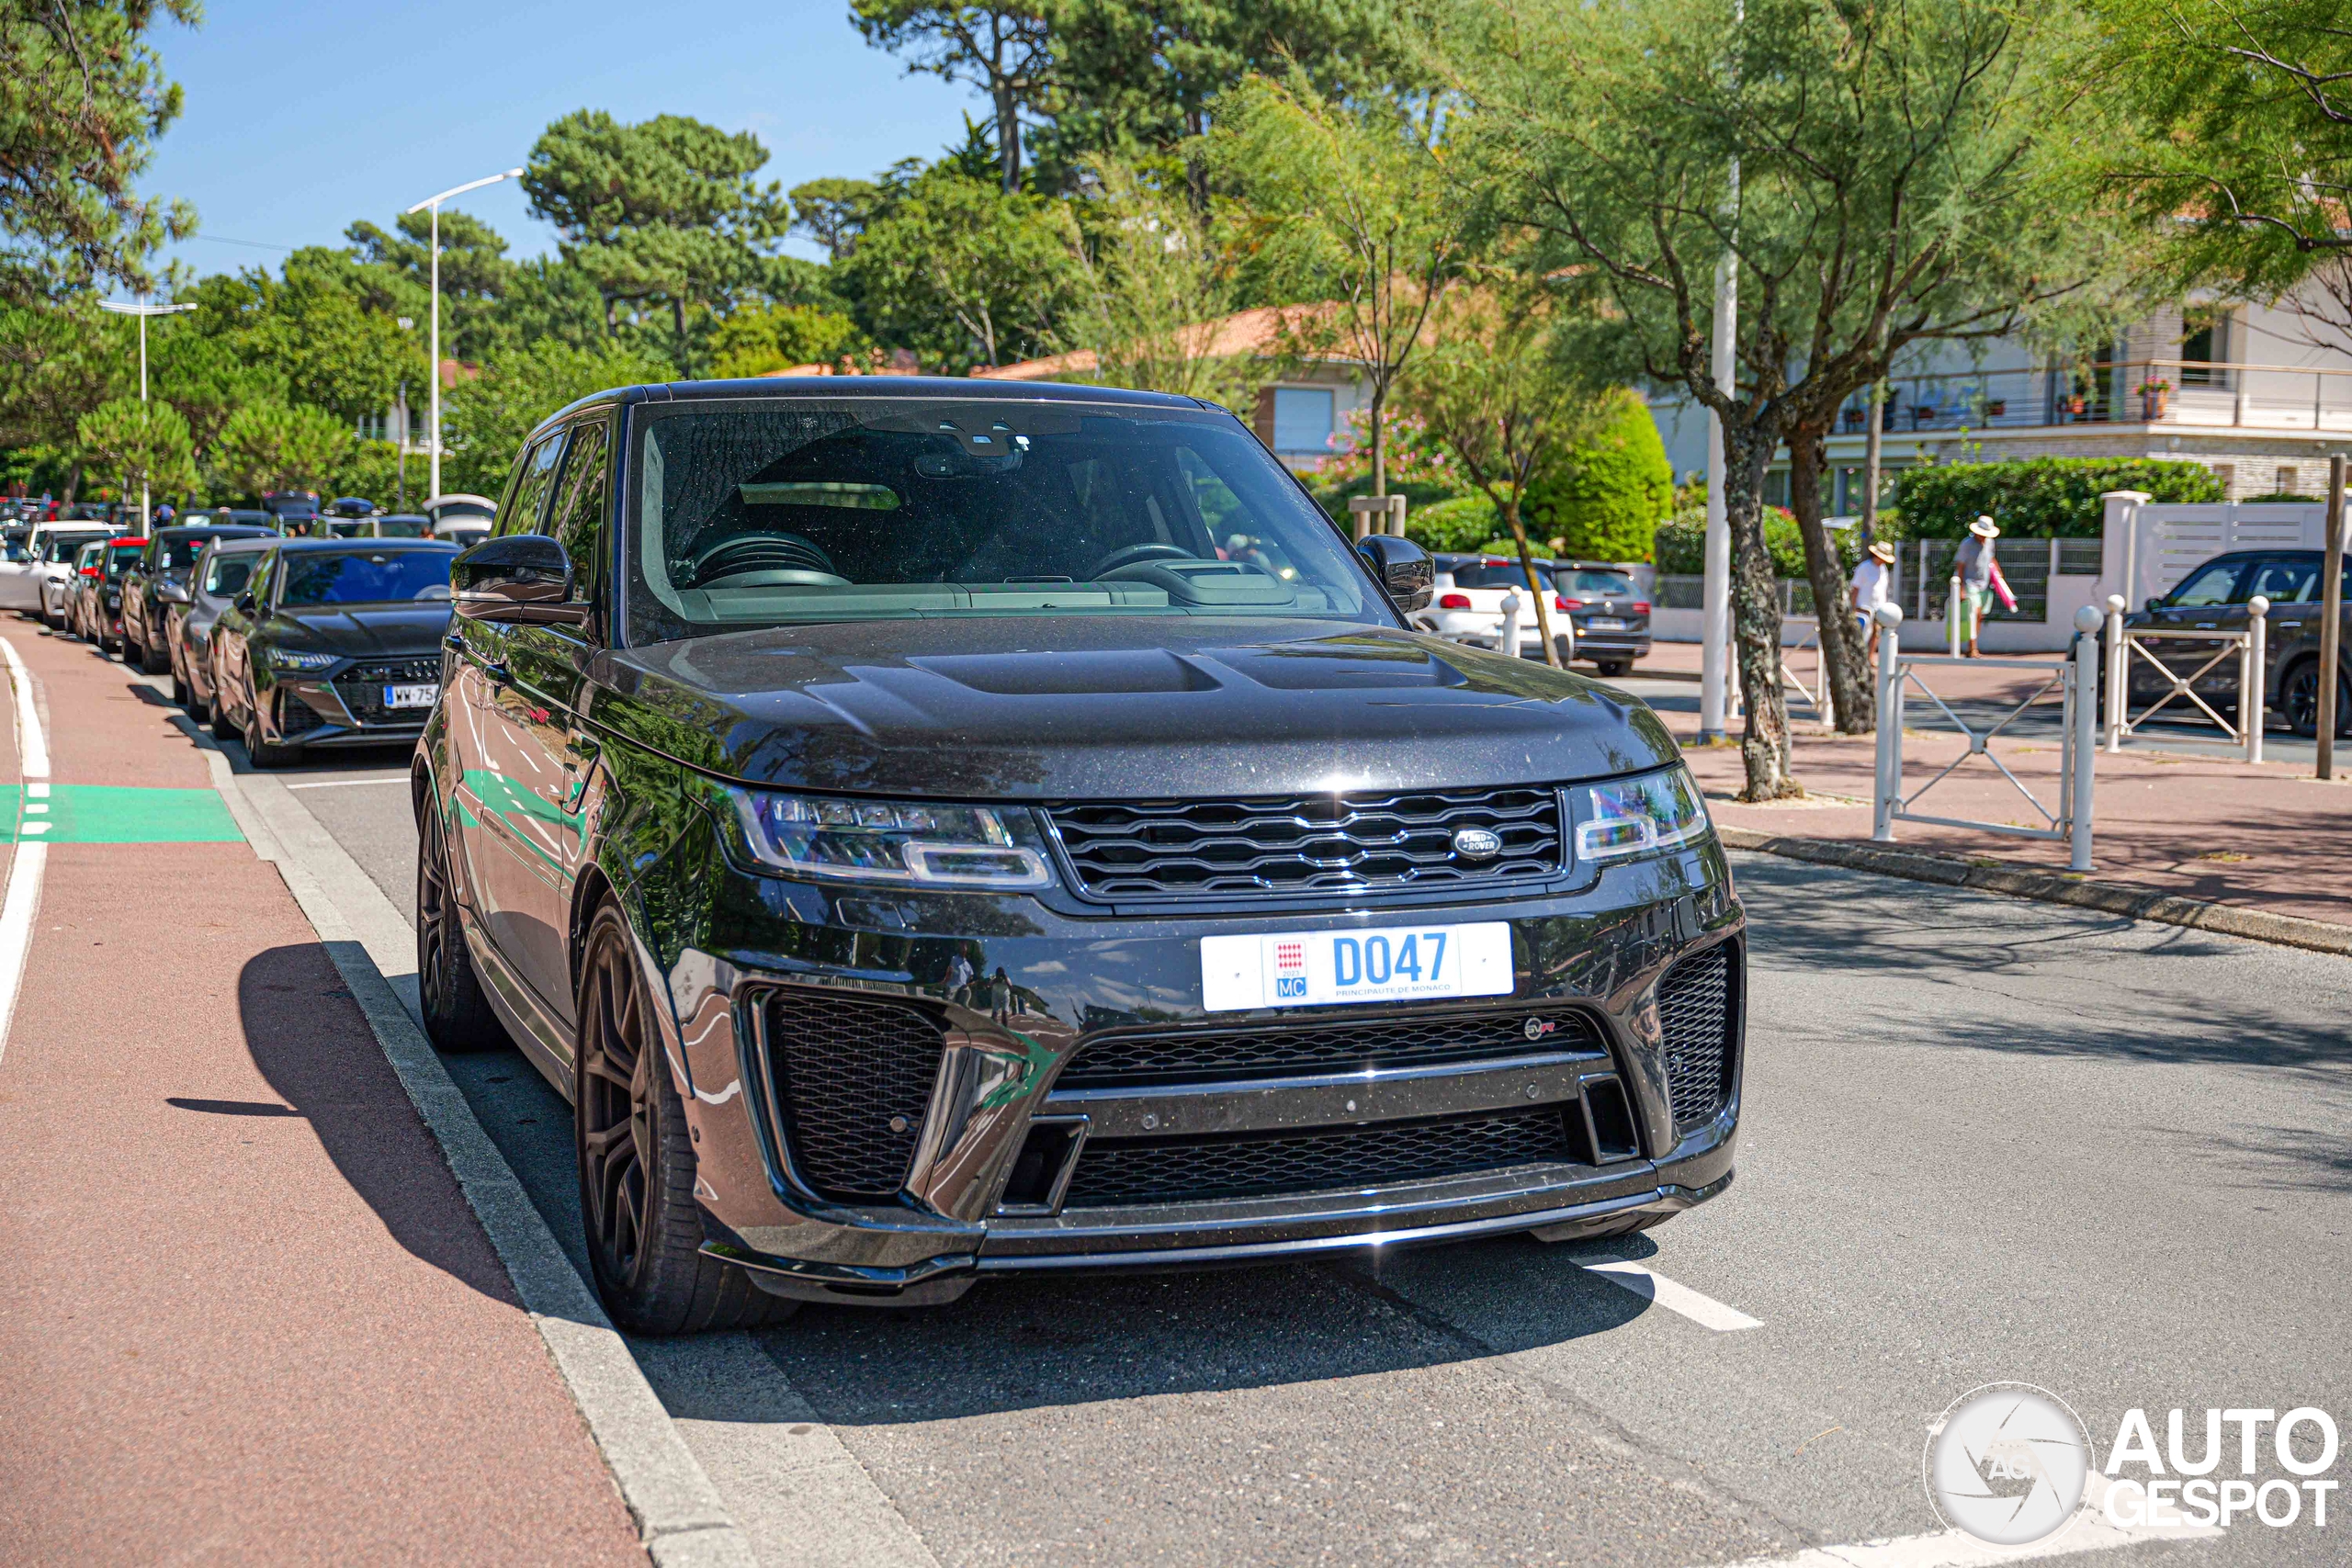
{"points": [[2174, 393]]}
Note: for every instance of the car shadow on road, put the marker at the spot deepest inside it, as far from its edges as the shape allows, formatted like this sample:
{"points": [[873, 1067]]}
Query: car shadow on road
{"points": [[312, 1046]]}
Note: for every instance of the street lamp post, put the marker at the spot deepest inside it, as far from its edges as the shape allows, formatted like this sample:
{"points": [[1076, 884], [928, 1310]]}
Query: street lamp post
{"points": [[142, 311], [432, 203]]}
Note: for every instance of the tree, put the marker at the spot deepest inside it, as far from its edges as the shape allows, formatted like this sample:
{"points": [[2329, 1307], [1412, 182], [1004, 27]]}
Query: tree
{"points": [[663, 210], [276, 446], [83, 98], [1001, 50], [311, 327], [963, 273], [1608, 492], [1351, 202], [1152, 292], [1897, 183], [2243, 162], [139, 444], [1494, 391], [394, 276], [488, 418], [762, 338], [833, 212]]}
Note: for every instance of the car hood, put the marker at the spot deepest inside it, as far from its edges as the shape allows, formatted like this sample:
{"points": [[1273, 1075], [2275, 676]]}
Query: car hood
{"points": [[1031, 708], [362, 631]]}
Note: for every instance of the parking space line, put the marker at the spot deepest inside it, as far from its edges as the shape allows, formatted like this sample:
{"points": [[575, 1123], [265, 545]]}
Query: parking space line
{"points": [[25, 871], [1958, 1549], [1705, 1311]]}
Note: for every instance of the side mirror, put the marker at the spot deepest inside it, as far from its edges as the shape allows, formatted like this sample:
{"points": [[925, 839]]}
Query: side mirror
{"points": [[173, 592], [2152, 605], [521, 580], [244, 603], [1403, 567]]}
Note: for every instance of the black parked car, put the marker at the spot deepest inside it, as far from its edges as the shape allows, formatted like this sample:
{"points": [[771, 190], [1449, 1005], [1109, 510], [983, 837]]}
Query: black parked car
{"points": [[1613, 619], [2214, 597], [332, 643], [220, 576], [918, 857], [96, 614], [157, 580]]}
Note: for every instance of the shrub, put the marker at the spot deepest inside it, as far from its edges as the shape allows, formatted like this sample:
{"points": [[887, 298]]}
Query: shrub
{"points": [[1681, 545], [1463, 523], [2042, 498], [1609, 494]]}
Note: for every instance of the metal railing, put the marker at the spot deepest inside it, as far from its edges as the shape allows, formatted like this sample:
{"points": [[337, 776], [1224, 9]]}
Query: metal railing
{"points": [[2124, 643], [2137, 391], [2074, 678]]}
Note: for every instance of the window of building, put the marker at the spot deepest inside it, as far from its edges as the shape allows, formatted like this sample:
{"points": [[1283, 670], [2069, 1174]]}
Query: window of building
{"points": [[2287, 480], [1303, 419], [2204, 344]]}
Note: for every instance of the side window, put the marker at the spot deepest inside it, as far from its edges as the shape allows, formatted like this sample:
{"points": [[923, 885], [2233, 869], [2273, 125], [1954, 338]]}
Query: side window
{"points": [[259, 583], [2285, 581], [2209, 586], [580, 498], [527, 497]]}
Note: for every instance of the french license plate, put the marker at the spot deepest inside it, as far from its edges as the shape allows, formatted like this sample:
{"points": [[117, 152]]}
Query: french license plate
{"points": [[1389, 964], [1604, 623], [412, 696]]}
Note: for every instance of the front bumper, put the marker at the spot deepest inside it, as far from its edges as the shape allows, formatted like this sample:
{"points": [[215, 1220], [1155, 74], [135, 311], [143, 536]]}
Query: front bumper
{"points": [[1020, 989], [313, 714]]}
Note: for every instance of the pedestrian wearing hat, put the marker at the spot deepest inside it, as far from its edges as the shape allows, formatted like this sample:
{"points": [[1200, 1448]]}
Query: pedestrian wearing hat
{"points": [[1873, 584], [1973, 568]]}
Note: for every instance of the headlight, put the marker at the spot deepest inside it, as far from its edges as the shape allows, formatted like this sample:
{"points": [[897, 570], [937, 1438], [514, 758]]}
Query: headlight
{"points": [[1638, 817], [290, 659], [905, 842]]}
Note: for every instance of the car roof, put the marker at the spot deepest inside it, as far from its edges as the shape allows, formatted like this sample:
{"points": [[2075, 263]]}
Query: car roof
{"points": [[208, 530], [347, 546]]}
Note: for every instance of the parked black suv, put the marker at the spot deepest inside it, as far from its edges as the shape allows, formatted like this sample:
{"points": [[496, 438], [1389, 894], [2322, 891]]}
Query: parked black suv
{"points": [[158, 580], [2214, 597], [1613, 619], [920, 856]]}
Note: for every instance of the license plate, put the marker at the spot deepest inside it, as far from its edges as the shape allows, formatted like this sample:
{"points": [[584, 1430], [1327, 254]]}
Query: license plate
{"points": [[412, 696], [1603, 623], [1387, 963]]}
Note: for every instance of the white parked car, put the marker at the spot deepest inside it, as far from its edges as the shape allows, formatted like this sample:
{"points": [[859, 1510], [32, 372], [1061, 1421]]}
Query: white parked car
{"points": [[1468, 604], [38, 583]]}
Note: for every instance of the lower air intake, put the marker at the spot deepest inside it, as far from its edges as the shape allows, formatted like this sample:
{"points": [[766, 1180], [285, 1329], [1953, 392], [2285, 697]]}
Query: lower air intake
{"points": [[854, 1078], [1694, 1014]]}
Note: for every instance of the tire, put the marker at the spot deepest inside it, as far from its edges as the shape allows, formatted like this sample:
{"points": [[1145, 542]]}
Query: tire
{"points": [[1613, 669], [458, 1016], [260, 752], [183, 694], [2298, 701], [152, 662], [217, 719], [637, 1162]]}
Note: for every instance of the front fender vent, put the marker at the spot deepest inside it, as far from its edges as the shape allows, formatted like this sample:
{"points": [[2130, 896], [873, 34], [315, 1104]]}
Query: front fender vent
{"points": [[1694, 1014], [853, 1078]]}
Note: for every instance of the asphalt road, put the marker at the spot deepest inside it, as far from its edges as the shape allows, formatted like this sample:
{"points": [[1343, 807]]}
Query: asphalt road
{"points": [[1986, 1139]]}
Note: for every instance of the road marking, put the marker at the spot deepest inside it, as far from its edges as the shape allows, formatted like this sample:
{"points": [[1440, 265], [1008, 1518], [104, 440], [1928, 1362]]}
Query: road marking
{"points": [[1705, 1311], [347, 783], [1958, 1549], [23, 899]]}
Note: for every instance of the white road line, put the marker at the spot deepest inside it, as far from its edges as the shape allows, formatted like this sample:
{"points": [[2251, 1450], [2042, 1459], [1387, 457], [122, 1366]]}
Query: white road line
{"points": [[347, 783], [23, 900], [1957, 1548], [1705, 1311]]}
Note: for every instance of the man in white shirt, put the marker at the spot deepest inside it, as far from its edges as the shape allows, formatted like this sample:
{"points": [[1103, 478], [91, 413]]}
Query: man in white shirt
{"points": [[1873, 579]]}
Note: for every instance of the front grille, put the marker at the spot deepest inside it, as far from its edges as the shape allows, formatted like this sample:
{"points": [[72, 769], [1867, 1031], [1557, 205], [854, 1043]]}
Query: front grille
{"points": [[1175, 1172], [361, 687], [296, 716], [853, 1079], [1213, 1055], [1694, 1014], [1305, 843]]}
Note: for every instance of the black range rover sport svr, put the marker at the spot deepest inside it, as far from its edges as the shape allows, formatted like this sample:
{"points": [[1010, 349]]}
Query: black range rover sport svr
{"points": [[951, 829]]}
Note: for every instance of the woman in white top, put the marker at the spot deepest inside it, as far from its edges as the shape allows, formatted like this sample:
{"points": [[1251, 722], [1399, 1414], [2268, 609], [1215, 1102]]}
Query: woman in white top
{"points": [[1874, 580]]}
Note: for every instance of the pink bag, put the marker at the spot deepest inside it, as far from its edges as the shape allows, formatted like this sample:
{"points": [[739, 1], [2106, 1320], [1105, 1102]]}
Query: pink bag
{"points": [[2001, 587]]}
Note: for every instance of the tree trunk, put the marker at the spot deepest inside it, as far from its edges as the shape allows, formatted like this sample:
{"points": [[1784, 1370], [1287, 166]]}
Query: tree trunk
{"points": [[1379, 438], [1756, 617], [73, 482], [1542, 594], [1007, 138], [612, 328], [1842, 645]]}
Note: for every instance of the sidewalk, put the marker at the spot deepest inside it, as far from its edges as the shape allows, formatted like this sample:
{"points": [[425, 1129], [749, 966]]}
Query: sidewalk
{"points": [[2266, 836], [248, 1315]]}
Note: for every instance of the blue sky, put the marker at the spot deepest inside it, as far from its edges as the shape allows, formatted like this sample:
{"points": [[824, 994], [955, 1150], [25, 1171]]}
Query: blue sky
{"points": [[303, 116]]}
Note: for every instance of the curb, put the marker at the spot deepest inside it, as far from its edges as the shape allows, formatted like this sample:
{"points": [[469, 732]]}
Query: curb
{"points": [[2048, 887]]}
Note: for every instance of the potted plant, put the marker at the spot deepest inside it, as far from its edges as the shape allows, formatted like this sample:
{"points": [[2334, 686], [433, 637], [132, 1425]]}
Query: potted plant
{"points": [[2155, 397]]}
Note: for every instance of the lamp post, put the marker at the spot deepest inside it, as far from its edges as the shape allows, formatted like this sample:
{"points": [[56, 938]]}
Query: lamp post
{"points": [[399, 412], [432, 203], [142, 311]]}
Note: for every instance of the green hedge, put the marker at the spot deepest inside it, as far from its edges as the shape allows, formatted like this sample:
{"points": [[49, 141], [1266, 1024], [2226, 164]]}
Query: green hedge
{"points": [[2044, 498], [1682, 545], [1464, 523], [1612, 490]]}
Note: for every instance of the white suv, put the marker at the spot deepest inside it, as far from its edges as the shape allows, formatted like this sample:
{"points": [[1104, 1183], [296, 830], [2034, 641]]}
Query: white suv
{"points": [[40, 584]]}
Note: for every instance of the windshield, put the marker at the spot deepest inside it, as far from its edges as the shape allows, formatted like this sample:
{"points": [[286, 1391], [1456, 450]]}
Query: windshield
{"points": [[227, 574], [364, 577], [119, 556], [178, 554], [64, 547], [403, 528], [1594, 584], [1494, 574], [904, 508]]}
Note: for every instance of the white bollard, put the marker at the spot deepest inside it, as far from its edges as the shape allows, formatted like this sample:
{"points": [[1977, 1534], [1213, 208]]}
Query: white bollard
{"points": [[1510, 643], [2084, 747], [2250, 675], [1951, 619], [1889, 783], [2119, 683]]}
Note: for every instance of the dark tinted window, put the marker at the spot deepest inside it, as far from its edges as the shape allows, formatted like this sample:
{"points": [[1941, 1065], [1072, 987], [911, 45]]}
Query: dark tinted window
{"points": [[63, 546], [579, 498], [1489, 575], [119, 556], [527, 497], [228, 575], [365, 577], [1585, 584]]}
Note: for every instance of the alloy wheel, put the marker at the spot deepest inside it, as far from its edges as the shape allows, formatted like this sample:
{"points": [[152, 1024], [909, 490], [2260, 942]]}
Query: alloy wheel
{"points": [[616, 1110], [436, 916], [2300, 701]]}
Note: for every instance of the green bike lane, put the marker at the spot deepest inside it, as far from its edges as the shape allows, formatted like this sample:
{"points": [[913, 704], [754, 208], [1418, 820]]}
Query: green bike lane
{"points": [[248, 1315]]}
